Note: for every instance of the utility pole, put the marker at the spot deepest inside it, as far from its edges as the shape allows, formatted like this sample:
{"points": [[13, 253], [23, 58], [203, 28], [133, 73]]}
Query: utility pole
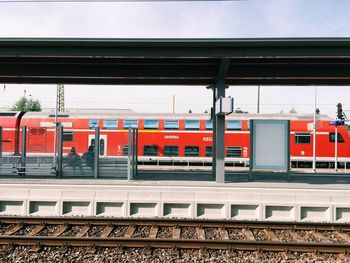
{"points": [[59, 108], [314, 133], [60, 98]]}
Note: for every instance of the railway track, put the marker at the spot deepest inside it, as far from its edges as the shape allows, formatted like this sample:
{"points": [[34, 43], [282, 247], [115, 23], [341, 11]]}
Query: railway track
{"points": [[174, 234]]}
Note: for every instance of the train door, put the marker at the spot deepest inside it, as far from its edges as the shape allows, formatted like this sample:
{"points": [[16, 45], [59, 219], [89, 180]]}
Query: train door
{"points": [[103, 143]]}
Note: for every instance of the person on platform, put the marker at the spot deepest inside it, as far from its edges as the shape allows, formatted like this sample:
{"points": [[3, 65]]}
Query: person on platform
{"points": [[73, 160], [89, 157]]}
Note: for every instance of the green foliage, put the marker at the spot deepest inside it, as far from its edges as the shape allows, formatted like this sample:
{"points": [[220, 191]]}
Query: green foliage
{"points": [[293, 111], [24, 104], [239, 110]]}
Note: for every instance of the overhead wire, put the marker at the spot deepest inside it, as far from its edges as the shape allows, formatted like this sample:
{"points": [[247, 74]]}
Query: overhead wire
{"points": [[111, 1]]}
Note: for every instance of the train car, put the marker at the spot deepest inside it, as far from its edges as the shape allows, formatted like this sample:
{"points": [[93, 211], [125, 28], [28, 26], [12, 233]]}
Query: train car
{"points": [[170, 137]]}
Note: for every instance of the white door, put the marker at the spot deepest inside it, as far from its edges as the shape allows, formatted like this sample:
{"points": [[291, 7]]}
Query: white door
{"points": [[103, 143]]}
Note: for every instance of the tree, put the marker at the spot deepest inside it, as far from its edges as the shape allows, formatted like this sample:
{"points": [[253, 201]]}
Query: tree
{"points": [[239, 110], [24, 104], [292, 110]]}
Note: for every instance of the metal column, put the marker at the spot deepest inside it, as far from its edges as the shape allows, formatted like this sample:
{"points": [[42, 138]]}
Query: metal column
{"points": [[219, 137], [130, 137], [0, 142], [97, 152], [24, 150], [135, 138], [60, 151]]}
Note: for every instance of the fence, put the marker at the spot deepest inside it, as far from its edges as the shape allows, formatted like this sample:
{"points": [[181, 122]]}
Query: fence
{"points": [[68, 161]]}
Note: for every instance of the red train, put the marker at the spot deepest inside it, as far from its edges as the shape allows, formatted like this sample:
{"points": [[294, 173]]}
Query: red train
{"points": [[166, 136]]}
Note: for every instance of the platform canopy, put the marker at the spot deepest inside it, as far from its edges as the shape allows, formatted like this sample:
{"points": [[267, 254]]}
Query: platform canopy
{"points": [[273, 61]]}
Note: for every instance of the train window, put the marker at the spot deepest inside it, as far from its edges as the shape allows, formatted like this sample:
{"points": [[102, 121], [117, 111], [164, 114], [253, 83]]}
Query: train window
{"points": [[68, 136], [150, 150], [332, 137], [125, 150], [233, 151], [7, 114], [131, 124], [110, 124], [208, 151], [59, 115], [302, 138], [171, 151], [209, 125], [191, 124], [234, 125], [191, 151], [150, 124], [93, 124], [37, 131], [171, 125]]}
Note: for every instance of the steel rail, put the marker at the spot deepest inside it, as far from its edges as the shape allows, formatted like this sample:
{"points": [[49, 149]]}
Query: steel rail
{"points": [[176, 222], [175, 243]]}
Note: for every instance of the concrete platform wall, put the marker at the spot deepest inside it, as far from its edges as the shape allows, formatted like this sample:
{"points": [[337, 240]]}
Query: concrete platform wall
{"points": [[181, 201]]}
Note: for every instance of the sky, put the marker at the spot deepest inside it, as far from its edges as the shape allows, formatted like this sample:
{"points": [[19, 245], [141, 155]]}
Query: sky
{"points": [[179, 19]]}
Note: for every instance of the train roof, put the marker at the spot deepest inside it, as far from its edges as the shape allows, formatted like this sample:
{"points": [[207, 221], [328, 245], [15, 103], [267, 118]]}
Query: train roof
{"points": [[115, 114]]}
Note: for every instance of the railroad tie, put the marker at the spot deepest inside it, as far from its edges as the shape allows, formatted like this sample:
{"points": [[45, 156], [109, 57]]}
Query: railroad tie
{"points": [[249, 234], [14, 229], [296, 236], [224, 234], [153, 232], [36, 230], [106, 231], [60, 230], [176, 233], [130, 231], [343, 236], [320, 237], [83, 231], [200, 233], [271, 235]]}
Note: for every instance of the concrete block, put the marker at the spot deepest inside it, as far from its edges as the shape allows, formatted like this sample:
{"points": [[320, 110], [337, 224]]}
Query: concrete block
{"points": [[110, 209], [210, 197], [76, 208], [211, 211], [176, 196], [112, 195], [342, 214], [238, 197], [245, 212], [11, 207], [313, 199], [176, 210], [278, 198], [78, 195], [143, 209], [43, 208], [7, 194], [315, 213], [45, 194], [275, 212], [341, 199], [144, 195]]}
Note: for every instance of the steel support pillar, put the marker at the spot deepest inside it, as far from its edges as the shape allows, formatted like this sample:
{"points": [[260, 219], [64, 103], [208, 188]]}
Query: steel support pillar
{"points": [[219, 131], [97, 152], [135, 138], [0, 142], [130, 139], [24, 150], [60, 151]]}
